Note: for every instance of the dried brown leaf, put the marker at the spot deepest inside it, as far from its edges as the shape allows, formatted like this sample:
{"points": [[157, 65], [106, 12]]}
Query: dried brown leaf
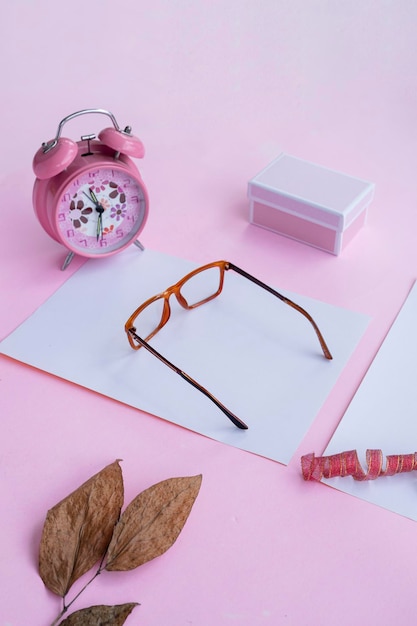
{"points": [[100, 615], [78, 529], [152, 522]]}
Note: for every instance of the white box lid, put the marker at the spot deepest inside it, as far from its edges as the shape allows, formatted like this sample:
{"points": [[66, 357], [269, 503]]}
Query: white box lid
{"points": [[317, 193]]}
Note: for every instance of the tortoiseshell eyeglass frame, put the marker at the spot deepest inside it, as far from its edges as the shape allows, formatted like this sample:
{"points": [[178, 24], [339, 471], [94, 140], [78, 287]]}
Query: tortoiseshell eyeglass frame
{"points": [[137, 342]]}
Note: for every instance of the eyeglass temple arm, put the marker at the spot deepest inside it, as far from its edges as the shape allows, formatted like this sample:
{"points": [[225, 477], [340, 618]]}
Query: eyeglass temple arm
{"points": [[295, 306], [233, 418]]}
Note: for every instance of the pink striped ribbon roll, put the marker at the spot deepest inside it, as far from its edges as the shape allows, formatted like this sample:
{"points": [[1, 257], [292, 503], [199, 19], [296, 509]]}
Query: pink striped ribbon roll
{"points": [[347, 464]]}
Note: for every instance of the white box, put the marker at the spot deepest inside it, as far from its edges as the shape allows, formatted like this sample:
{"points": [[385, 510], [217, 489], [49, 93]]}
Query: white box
{"points": [[309, 203]]}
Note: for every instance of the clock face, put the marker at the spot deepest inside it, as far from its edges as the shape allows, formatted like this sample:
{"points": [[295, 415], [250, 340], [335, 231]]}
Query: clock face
{"points": [[101, 211]]}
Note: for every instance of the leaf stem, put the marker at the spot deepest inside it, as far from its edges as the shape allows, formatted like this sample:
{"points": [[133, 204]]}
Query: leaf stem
{"points": [[67, 606]]}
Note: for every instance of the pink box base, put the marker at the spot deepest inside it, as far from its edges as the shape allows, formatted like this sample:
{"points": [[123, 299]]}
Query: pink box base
{"points": [[298, 228]]}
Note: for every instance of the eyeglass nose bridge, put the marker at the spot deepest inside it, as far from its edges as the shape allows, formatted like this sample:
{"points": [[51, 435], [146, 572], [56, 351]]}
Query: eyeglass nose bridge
{"points": [[166, 314], [176, 290], [173, 290], [166, 310], [181, 300]]}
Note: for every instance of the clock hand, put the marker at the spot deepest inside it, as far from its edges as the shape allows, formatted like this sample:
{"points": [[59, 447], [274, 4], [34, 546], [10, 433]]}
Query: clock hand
{"points": [[93, 198], [100, 211]]}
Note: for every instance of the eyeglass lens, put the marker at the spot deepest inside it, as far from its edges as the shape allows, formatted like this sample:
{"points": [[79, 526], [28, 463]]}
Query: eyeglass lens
{"points": [[201, 286], [196, 290]]}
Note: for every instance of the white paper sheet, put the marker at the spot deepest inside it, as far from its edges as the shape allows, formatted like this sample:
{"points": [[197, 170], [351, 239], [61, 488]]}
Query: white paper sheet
{"points": [[258, 356], [383, 415]]}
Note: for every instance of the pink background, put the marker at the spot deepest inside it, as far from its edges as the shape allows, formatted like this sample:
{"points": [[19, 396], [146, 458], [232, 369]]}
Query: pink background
{"points": [[215, 90]]}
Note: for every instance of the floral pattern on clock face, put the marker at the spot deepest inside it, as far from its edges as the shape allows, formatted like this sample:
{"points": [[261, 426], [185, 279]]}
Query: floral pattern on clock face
{"points": [[101, 210]]}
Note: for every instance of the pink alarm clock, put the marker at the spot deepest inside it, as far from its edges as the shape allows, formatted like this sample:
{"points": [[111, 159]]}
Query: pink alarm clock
{"points": [[88, 195]]}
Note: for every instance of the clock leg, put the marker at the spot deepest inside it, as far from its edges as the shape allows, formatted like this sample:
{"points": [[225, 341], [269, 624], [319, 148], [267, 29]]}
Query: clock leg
{"points": [[139, 245], [67, 261]]}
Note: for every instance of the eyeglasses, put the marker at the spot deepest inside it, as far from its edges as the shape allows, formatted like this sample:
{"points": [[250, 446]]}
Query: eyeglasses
{"points": [[196, 288]]}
